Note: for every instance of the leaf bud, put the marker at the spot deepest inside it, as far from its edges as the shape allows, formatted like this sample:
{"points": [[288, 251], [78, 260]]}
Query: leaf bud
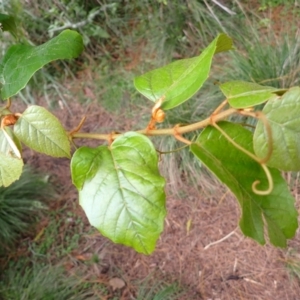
{"points": [[159, 116]]}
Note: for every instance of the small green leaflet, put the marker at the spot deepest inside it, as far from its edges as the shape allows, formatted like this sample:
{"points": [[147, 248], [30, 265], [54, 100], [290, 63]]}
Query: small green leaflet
{"points": [[242, 94], [9, 144], [283, 116], [180, 80], [121, 190], [238, 171], [10, 169], [22, 61], [11, 164], [38, 129]]}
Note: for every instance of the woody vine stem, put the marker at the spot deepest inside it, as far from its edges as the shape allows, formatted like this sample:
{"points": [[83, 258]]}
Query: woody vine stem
{"points": [[158, 116], [219, 114]]}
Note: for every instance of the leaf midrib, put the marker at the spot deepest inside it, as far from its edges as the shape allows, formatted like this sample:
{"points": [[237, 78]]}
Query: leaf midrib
{"points": [[29, 124], [138, 235]]}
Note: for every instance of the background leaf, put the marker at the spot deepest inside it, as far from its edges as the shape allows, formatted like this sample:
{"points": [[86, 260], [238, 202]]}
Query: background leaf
{"points": [[238, 171], [22, 61], [121, 190], [10, 169], [8, 24], [283, 115], [180, 80], [242, 94], [41, 131]]}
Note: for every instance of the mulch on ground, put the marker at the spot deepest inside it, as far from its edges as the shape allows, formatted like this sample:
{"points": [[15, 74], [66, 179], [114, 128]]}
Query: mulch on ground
{"points": [[233, 268]]}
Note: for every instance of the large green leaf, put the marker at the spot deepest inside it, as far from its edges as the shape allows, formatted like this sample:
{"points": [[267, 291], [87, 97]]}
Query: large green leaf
{"points": [[238, 171], [121, 190], [283, 116], [41, 131], [242, 94], [10, 169], [180, 80], [22, 61]]}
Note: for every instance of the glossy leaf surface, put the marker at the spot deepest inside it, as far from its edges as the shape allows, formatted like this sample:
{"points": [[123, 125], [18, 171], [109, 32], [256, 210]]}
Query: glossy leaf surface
{"points": [[283, 115], [121, 190], [22, 61], [38, 129], [238, 171], [242, 94], [180, 80]]}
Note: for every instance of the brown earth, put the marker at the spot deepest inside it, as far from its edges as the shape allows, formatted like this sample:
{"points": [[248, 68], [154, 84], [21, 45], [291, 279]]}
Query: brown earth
{"points": [[234, 267], [211, 258]]}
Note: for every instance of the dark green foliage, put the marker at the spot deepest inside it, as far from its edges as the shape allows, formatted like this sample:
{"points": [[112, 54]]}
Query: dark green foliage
{"points": [[39, 281], [158, 290], [20, 206]]}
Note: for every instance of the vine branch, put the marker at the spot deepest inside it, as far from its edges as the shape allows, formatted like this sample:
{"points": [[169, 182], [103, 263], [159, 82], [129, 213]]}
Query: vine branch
{"points": [[164, 131]]}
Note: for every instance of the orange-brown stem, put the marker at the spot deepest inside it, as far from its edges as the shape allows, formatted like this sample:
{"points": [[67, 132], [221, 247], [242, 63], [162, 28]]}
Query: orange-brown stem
{"points": [[217, 111], [79, 126], [163, 131], [179, 137]]}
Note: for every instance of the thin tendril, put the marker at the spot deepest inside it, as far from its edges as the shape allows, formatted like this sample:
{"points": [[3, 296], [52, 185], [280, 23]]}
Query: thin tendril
{"points": [[264, 167], [172, 151], [270, 182], [236, 144]]}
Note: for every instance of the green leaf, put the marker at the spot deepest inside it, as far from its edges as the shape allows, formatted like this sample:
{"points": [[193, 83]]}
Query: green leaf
{"points": [[4, 111], [8, 24], [38, 129], [180, 80], [238, 171], [85, 164], [22, 61], [9, 144], [241, 94], [283, 115], [121, 190], [10, 169]]}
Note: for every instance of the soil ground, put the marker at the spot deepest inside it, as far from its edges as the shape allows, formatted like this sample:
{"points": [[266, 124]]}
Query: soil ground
{"points": [[233, 268], [201, 247]]}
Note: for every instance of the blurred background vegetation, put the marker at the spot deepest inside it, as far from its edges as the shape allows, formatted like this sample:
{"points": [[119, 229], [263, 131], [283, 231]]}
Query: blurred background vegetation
{"points": [[123, 39]]}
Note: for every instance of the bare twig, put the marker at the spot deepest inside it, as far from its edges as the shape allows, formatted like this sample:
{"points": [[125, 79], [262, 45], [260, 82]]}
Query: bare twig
{"points": [[221, 240]]}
